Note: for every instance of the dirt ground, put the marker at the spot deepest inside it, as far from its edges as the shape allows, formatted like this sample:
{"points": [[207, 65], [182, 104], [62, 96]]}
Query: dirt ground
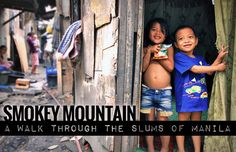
{"points": [[41, 97]]}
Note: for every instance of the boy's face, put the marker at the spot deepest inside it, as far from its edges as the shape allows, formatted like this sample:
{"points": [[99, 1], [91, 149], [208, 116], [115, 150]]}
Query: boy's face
{"points": [[186, 40], [156, 35]]}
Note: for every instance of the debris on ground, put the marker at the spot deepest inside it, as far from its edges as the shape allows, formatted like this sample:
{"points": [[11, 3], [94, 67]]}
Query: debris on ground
{"points": [[35, 95]]}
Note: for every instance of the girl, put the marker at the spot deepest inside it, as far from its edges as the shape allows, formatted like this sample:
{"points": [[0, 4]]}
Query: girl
{"points": [[156, 87]]}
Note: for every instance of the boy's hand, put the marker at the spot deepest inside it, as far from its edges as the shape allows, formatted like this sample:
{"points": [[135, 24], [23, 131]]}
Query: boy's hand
{"points": [[222, 66], [222, 53]]}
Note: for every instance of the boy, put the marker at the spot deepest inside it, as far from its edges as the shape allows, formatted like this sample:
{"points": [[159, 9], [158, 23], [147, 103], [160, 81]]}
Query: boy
{"points": [[190, 86]]}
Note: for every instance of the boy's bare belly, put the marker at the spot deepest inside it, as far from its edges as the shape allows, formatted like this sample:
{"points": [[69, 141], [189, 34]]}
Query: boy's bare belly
{"points": [[156, 76]]}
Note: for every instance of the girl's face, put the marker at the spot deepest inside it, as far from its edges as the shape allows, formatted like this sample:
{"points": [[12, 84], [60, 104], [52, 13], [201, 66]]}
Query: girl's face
{"points": [[186, 40], [156, 35]]}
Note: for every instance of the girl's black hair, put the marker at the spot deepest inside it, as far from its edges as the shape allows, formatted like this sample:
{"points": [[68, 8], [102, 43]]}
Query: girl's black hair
{"points": [[164, 29], [182, 27]]}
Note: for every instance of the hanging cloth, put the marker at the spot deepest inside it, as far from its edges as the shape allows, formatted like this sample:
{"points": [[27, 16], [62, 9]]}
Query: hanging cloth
{"points": [[223, 100], [68, 46]]}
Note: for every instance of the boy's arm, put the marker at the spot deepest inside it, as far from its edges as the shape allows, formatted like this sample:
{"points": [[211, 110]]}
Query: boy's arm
{"points": [[168, 63], [208, 69], [219, 58], [221, 55]]}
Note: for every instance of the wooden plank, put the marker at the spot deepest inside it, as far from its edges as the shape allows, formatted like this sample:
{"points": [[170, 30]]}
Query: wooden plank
{"points": [[99, 49], [129, 52], [21, 49], [121, 53], [88, 44], [121, 64], [138, 58], [67, 77], [127, 141], [107, 37], [139, 19], [59, 78], [103, 11]]}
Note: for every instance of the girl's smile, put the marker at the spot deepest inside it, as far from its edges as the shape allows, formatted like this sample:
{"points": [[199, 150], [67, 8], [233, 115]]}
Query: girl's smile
{"points": [[156, 35]]}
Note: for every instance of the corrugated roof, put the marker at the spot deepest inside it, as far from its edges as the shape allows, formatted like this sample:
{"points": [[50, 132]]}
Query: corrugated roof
{"points": [[37, 6], [26, 5]]}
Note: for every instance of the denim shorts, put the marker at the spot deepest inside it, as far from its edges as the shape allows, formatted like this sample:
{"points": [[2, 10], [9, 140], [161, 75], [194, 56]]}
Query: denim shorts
{"points": [[159, 99]]}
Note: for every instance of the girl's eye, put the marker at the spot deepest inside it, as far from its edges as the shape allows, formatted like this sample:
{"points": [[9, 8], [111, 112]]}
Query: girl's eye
{"points": [[180, 39], [191, 37]]}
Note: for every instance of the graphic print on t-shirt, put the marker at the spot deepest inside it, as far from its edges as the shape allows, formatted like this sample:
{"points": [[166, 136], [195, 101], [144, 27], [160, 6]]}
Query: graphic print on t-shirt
{"points": [[193, 89]]}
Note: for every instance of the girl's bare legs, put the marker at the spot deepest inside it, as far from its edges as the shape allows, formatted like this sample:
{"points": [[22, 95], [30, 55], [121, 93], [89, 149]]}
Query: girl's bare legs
{"points": [[150, 139], [165, 140], [183, 116], [196, 116]]}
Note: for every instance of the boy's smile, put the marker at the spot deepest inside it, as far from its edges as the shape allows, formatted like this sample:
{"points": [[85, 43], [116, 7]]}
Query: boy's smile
{"points": [[186, 40]]}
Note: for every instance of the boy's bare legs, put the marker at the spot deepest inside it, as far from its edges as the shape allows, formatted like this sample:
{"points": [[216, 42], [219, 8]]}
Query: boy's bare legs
{"points": [[150, 139], [165, 140], [196, 116], [183, 116]]}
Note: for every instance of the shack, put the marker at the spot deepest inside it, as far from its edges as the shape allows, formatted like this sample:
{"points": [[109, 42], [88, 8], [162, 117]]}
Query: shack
{"points": [[109, 67]]}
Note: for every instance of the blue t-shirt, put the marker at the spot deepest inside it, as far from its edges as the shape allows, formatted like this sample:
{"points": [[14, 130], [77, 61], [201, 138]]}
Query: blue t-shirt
{"points": [[190, 88]]}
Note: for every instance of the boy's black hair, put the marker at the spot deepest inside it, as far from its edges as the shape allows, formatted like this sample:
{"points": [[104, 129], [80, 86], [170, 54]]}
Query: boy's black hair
{"points": [[3, 47], [164, 29], [182, 27]]}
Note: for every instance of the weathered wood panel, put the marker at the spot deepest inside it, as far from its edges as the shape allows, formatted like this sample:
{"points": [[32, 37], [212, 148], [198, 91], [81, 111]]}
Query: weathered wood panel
{"points": [[88, 44], [21, 48], [59, 78], [128, 141], [107, 36], [117, 55], [103, 11], [64, 82], [67, 77], [121, 52], [138, 55]]}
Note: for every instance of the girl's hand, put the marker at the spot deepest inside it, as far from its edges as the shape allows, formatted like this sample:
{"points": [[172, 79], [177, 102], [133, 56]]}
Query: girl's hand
{"points": [[154, 48], [223, 52]]}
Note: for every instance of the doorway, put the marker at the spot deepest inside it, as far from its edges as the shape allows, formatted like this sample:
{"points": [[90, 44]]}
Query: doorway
{"points": [[198, 14]]}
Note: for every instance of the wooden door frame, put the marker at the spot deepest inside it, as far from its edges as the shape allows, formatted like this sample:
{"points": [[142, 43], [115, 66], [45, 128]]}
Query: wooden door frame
{"points": [[129, 69]]}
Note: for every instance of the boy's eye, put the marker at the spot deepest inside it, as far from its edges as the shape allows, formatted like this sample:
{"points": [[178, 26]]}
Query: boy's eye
{"points": [[180, 38]]}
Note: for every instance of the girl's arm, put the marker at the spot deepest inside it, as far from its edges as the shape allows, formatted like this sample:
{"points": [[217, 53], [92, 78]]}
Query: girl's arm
{"points": [[146, 58], [147, 55], [168, 63], [208, 69]]}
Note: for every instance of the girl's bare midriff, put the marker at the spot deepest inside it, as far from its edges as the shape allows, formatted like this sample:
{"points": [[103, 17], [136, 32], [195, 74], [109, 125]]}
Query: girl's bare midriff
{"points": [[156, 77]]}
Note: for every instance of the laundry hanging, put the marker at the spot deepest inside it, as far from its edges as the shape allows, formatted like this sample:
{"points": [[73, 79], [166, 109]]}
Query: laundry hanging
{"points": [[68, 46]]}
